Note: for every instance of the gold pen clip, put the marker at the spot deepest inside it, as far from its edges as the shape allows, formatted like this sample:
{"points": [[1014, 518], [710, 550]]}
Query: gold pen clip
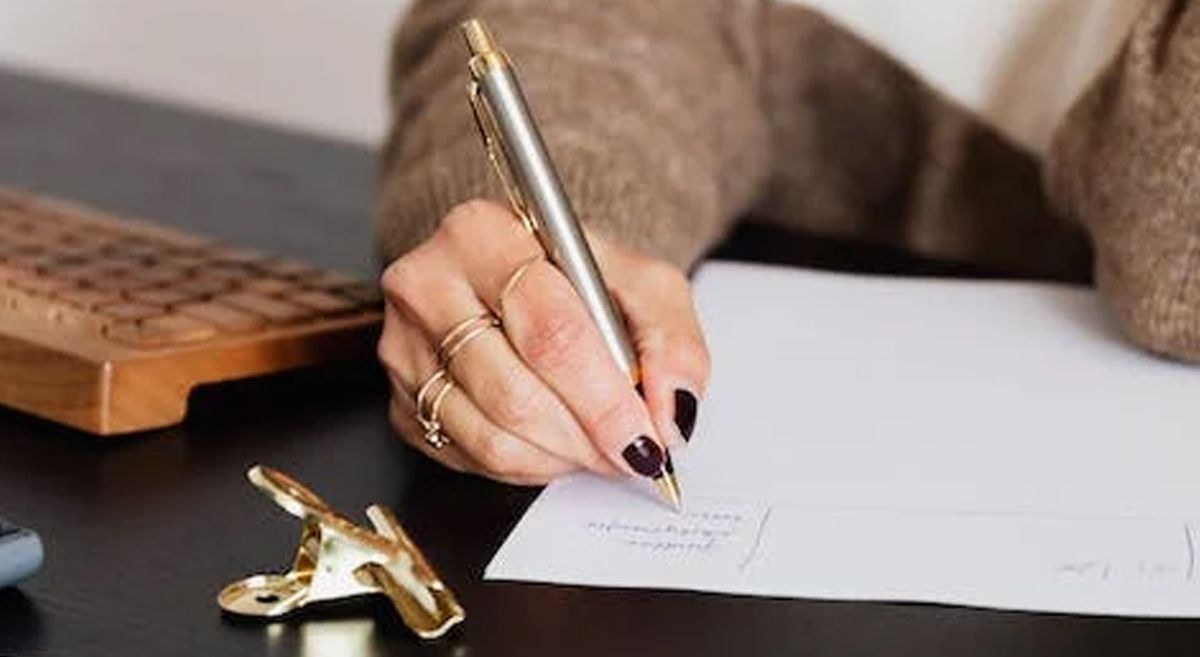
{"points": [[493, 143], [338, 559]]}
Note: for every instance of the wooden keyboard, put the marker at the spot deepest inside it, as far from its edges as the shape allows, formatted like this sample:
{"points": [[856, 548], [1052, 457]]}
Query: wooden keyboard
{"points": [[106, 323]]}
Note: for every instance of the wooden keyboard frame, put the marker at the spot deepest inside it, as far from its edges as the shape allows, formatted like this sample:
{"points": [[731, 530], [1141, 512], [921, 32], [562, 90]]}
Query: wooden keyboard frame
{"points": [[93, 383]]}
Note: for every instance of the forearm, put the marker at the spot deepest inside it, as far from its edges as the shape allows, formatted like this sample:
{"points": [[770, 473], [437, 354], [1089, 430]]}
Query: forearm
{"points": [[1125, 164], [650, 111]]}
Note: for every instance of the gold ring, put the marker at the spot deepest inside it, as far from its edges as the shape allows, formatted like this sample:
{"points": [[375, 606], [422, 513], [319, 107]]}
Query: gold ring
{"points": [[435, 407], [428, 414], [462, 333], [515, 278], [434, 436], [427, 386]]}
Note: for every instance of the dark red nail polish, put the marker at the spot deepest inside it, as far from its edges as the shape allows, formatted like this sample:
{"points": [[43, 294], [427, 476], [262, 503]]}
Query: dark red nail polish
{"points": [[644, 456], [685, 413]]}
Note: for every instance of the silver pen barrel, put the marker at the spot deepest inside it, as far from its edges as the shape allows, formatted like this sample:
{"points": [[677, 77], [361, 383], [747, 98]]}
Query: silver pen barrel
{"points": [[555, 224]]}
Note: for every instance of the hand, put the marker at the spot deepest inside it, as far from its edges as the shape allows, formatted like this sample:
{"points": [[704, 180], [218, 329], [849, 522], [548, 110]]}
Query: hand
{"points": [[541, 396]]}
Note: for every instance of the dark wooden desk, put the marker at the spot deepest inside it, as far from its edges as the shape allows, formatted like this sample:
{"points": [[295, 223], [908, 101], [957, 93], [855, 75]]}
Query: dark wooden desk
{"points": [[141, 533]]}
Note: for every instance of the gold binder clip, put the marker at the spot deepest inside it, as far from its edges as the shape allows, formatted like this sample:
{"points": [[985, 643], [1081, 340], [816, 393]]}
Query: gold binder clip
{"points": [[338, 559]]}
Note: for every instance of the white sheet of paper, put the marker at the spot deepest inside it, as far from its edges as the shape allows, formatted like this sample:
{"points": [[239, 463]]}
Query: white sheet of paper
{"points": [[982, 443]]}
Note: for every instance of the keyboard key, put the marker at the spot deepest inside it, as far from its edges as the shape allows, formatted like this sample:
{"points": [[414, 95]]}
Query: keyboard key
{"points": [[133, 251], [76, 253], [158, 274], [225, 318], [221, 272], [36, 306], [64, 317], [118, 283], [285, 268], [12, 272], [236, 255], [84, 273], [86, 299], [268, 286], [273, 309], [32, 260], [201, 287], [189, 262], [129, 311], [162, 296], [41, 285], [329, 280], [161, 331], [323, 302], [154, 232], [48, 233]]}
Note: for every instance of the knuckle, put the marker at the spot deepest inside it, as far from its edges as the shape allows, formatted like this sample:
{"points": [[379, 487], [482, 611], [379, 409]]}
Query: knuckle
{"points": [[418, 283], [464, 220], [401, 279]]}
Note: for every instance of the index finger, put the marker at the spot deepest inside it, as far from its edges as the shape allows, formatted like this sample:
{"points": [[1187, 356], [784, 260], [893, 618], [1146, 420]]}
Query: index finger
{"points": [[550, 329]]}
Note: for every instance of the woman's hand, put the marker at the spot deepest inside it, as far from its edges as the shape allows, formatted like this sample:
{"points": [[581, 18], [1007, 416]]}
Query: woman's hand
{"points": [[539, 396]]}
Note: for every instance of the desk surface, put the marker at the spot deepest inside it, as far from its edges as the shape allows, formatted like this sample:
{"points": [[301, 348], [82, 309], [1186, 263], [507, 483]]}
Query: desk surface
{"points": [[142, 533]]}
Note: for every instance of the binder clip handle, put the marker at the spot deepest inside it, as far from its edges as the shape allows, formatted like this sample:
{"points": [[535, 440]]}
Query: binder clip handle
{"points": [[338, 559]]}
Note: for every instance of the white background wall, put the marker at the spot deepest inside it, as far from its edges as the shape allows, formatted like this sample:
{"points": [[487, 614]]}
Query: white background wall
{"points": [[1019, 63], [317, 65]]}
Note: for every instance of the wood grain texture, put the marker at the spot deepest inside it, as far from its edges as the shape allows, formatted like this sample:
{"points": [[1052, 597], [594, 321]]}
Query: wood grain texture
{"points": [[97, 386]]}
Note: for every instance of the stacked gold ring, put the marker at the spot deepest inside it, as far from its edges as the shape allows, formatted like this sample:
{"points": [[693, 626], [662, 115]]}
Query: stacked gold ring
{"points": [[430, 397], [433, 391], [462, 333]]}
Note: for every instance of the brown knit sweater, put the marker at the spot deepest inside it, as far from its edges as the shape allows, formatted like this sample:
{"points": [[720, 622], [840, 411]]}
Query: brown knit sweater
{"points": [[670, 120]]}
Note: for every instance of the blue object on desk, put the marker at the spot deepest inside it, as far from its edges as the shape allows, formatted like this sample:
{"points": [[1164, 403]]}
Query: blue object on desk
{"points": [[20, 553]]}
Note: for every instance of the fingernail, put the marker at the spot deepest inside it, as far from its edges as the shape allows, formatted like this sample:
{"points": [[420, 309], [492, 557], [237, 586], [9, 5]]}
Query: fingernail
{"points": [[644, 456], [685, 413]]}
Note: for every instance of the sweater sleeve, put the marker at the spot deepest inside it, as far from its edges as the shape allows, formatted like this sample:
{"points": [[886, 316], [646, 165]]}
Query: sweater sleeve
{"points": [[865, 150], [1126, 164], [650, 111]]}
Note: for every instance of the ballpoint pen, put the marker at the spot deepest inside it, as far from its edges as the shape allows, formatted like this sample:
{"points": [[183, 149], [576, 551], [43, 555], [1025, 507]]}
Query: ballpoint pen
{"points": [[515, 147]]}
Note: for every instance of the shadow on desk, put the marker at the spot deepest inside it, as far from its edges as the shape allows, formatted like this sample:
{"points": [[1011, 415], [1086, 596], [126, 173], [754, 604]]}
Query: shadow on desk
{"points": [[19, 616], [754, 242]]}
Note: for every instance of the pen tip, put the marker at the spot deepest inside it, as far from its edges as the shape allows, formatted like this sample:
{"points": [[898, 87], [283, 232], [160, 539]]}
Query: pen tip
{"points": [[668, 489]]}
